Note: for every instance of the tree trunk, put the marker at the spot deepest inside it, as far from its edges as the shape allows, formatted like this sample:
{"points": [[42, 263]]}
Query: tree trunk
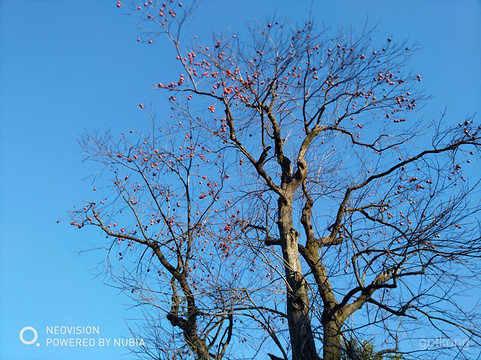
{"points": [[298, 314], [332, 341]]}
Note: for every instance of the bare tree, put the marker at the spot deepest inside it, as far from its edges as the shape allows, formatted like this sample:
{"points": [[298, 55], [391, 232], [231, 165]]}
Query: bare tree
{"points": [[342, 199]]}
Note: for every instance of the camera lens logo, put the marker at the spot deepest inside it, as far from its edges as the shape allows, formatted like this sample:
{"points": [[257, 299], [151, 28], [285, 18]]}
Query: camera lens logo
{"points": [[35, 335]]}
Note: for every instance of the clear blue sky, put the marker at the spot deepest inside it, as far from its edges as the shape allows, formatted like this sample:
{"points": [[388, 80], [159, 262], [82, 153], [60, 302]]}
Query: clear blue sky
{"points": [[71, 66]]}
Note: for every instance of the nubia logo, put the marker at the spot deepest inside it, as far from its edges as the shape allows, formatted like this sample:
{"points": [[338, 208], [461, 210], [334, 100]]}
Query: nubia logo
{"points": [[29, 329]]}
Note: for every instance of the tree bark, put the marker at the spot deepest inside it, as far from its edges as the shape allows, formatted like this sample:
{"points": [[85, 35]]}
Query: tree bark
{"points": [[298, 314], [332, 340]]}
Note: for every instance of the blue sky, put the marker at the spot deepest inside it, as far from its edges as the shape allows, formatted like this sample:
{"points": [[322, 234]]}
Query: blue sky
{"points": [[71, 66]]}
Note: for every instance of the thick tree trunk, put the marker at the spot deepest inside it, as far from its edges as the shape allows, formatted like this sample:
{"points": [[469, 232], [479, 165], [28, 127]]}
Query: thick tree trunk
{"points": [[298, 314], [332, 341]]}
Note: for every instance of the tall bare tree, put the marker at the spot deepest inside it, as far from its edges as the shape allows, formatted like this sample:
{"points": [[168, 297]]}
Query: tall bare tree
{"points": [[341, 200]]}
